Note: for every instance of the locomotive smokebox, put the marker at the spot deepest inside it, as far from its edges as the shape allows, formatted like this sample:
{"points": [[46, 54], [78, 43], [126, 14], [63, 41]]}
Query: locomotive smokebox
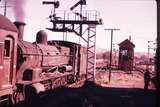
{"points": [[41, 37], [20, 27]]}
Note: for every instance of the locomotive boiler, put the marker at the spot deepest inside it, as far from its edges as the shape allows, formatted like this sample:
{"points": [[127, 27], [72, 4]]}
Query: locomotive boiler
{"points": [[28, 69]]}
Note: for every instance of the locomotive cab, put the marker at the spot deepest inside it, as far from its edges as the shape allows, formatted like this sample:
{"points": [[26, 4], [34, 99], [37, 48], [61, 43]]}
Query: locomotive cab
{"points": [[8, 47]]}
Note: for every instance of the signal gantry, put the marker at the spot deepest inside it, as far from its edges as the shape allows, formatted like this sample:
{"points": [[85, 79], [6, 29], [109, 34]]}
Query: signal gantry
{"points": [[80, 24]]}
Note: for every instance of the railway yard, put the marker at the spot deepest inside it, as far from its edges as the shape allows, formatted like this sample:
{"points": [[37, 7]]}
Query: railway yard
{"points": [[124, 90], [63, 73]]}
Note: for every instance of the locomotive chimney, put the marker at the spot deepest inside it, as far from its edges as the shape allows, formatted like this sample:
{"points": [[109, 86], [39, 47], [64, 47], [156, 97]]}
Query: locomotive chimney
{"points": [[20, 27]]}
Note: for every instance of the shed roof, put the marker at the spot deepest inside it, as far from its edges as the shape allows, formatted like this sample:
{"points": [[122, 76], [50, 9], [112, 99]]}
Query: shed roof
{"points": [[6, 24], [126, 43]]}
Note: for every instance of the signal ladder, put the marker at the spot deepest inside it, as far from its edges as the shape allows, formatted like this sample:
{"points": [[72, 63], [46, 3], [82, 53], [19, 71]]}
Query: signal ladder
{"points": [[91, 54]]}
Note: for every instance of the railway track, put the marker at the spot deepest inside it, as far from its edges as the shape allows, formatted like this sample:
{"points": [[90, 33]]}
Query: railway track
{"points": [[89, 94], [92, 95]]}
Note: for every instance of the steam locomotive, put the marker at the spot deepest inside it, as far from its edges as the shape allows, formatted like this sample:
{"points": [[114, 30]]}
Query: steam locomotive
{"points": [[28, 69]]}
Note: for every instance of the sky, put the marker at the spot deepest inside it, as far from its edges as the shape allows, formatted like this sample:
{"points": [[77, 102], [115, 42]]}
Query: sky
{"points": [[135, 18]]}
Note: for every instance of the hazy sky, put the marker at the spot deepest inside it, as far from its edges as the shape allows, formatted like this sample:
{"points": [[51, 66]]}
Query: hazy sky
{"points": [[135, 18]]}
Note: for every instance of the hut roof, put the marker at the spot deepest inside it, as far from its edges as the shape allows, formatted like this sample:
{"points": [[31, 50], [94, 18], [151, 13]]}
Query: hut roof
{"points": [[126, 43]]}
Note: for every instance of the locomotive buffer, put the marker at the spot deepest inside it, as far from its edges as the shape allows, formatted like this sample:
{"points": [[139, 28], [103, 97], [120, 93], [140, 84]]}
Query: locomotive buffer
{"points": [[81, 26]]}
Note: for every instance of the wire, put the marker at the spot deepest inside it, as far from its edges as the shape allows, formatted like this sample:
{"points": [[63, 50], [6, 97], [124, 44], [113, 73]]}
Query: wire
{"points": [[137, 0]]}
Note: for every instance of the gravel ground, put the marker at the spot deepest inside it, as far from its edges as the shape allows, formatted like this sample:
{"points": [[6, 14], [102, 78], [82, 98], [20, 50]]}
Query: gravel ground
{"points": [[122, 79]]}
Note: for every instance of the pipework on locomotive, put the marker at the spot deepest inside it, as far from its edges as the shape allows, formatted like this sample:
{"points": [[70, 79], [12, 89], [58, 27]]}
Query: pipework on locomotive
{"points": [[28, 69]]}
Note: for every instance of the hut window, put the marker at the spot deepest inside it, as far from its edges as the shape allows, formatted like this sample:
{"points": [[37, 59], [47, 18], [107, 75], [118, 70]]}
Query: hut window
{"points": [[124, 52]]}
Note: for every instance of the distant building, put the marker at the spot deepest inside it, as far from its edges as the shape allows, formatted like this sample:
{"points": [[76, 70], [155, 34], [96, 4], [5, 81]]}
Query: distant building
{"points": [[126, 55]]}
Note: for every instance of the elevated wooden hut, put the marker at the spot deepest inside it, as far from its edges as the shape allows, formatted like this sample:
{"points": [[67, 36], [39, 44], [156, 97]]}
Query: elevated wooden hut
{"points": [[126, 55]]}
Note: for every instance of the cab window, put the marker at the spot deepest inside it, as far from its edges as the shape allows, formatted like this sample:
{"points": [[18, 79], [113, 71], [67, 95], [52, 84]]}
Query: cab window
{"points": [[7, 48], [1, 53]]}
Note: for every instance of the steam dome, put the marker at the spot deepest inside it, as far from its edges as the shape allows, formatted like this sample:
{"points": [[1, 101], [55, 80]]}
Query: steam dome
{"points": [[41, 37]]}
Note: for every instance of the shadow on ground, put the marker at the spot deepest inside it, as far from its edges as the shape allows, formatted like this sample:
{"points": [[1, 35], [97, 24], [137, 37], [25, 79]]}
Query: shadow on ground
{"points": [[92, 95]]}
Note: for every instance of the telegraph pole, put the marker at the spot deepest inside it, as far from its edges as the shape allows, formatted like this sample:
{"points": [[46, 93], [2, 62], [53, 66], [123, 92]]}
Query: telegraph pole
{"points": [[158, 53], [148, 54], [111, 52], [5, 8]]}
